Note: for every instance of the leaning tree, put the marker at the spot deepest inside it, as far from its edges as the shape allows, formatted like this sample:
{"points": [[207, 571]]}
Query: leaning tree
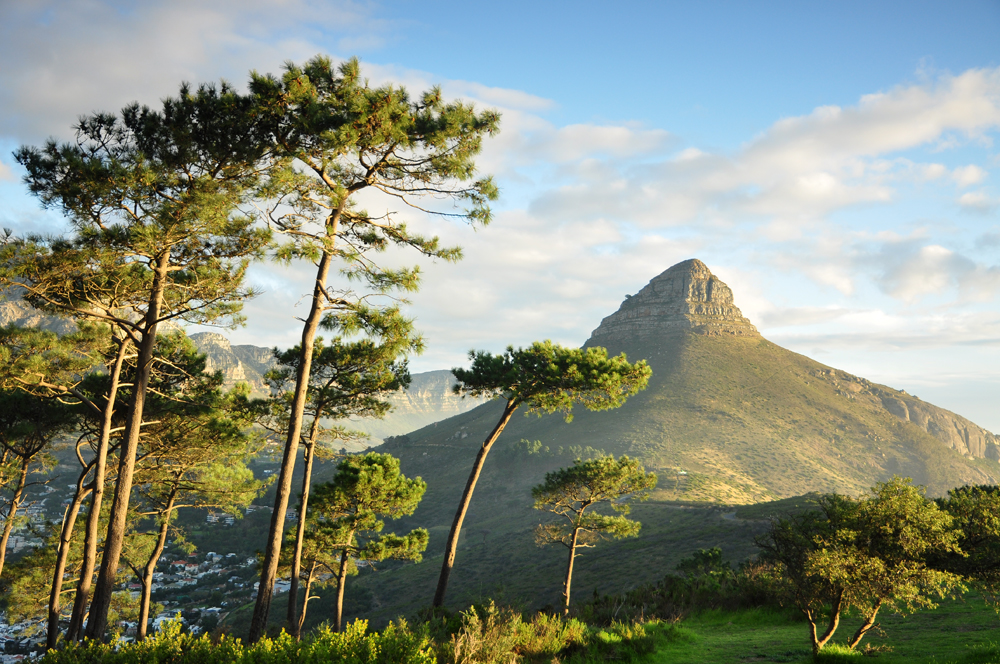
{"points": [[545, 378], [339, 137]]}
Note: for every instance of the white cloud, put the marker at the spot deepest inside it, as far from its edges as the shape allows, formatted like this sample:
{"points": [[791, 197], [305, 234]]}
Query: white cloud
{"points": [[978, 201], [967, 176], [912, 272], [64, 58], [801, 169], [6, 174]]}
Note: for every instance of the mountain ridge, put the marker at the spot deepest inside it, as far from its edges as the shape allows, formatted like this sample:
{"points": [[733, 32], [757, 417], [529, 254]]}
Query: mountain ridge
{"points": [[741, 419]]}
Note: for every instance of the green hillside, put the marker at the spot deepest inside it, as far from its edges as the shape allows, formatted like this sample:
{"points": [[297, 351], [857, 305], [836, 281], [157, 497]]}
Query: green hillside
{"points": [[728, 419]]}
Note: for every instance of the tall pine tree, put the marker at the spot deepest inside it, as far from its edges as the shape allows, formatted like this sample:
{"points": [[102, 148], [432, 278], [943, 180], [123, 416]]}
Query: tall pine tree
{"points": [[339, 137]]}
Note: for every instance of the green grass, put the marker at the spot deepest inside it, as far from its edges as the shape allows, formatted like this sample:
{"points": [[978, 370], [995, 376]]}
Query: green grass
{"points": [[958, 632]]}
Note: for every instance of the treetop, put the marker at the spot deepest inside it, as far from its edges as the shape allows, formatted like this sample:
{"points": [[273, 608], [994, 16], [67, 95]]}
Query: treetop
{"points": [[547, 377]]}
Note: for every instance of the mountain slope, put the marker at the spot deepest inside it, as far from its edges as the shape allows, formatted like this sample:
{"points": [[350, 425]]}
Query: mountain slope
{"points": [[729, 416]]}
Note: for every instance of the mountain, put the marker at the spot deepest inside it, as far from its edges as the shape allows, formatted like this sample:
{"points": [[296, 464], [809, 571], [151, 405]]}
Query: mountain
{"points": [[729, 416], [428, 399]]}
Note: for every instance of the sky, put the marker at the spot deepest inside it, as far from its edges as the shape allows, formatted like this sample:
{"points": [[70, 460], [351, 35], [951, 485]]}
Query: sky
{"points": [[836, 164]]}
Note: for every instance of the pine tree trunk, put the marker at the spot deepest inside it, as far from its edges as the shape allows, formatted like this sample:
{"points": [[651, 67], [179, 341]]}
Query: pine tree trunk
{"points": [[569, 570], [62, 555], [15, 502], [91, 534], [341, 582], [117, 521], [867, 625], [147, 573], [300, 533], [305, 600], [463, 505], [272, 549]]}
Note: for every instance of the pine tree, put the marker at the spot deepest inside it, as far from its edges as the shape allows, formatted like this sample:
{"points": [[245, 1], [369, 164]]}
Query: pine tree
{"points": [[29, 426], [338, 137], [350, 509], [349, 379], [194, 455], [152, 196], [545, 378], [574, 493]]}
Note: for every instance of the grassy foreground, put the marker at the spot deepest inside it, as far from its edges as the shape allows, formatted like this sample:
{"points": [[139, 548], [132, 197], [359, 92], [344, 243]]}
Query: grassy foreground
{"points": [[958, 632]]}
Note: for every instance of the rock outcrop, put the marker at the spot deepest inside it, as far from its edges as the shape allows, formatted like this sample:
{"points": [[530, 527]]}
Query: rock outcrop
{"points": [[14, 311], [238, 364], [685, 298]]}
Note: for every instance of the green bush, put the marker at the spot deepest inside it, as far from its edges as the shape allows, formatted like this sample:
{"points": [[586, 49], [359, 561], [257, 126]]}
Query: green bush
{"points": [[837, 654], [484, 634], [396, 644]]}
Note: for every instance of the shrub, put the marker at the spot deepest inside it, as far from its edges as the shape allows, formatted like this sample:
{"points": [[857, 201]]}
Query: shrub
{"points": [[396, 644]]}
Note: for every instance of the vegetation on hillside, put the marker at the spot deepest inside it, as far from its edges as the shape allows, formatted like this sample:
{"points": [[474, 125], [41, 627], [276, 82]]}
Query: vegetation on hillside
{"points": [[167, 207]]}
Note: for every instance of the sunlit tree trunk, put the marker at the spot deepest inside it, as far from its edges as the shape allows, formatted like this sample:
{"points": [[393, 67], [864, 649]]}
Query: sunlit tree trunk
{"points": [[867, 625], [342, 582], [62, 555], [117, 521], [91, 534], [819, 641], [305, 599], [272, 550], [300, 533], [569, 570], [147, 573], [15, 502], [463, 506]]}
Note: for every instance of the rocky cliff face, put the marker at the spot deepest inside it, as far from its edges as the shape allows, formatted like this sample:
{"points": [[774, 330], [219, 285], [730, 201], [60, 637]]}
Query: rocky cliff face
{"points": [[14, 311], [428, 399], [689, 298], [238, 364], [954, 430], [686, 297]]}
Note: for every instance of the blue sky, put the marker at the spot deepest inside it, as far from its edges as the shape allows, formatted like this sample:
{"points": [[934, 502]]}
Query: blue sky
{"points": [[835, 163]]}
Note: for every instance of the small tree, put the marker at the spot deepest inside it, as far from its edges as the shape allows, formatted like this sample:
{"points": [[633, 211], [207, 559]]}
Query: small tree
{"points": [[571, 492], [348, 379], [546, 378], [866, 554], [318, 563], [28, 427], [351, 508], [976, 514], [194, 459], [791, 544]]}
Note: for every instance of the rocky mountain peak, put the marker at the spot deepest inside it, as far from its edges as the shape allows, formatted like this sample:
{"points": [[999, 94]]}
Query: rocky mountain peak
{"points": [[685, 297], [205, 340]]}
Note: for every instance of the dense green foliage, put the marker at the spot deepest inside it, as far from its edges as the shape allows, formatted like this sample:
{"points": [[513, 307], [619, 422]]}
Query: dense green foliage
{"points": [[548, 378], [864, 554], [349, 514]]}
